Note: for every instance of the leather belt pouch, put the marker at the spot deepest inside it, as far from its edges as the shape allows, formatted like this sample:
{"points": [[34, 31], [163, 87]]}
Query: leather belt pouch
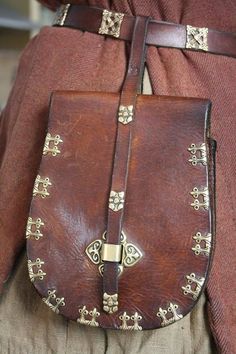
{"points": [[165, 247]]}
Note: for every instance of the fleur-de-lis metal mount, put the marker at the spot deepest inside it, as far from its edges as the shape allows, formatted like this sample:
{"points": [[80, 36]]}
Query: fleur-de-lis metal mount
{"points": [[93, 316], [41, 187], [33, 229], [201, 198], [194, 286], [130, 322], [36, 265], [202, 244], [199, 154], [130, 254], [54, 302], [169, 315], [51, 146]]}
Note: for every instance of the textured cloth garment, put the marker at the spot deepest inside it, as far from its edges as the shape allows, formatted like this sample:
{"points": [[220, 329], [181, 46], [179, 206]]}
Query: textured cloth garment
{"points": [[27, 326], [67, 59]]}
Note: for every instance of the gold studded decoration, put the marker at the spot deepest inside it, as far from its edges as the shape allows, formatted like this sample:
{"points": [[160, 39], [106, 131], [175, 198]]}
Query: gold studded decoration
{"points": [[111, 23], [110, 303]]}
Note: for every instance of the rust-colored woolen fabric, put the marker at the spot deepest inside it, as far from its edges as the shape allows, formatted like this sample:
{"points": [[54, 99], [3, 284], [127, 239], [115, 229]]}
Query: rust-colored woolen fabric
{"points": [[71, 60]]}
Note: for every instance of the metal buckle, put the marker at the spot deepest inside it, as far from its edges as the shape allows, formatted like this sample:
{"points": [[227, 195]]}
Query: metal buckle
{"points": [[111, 23], [61, 15], [197, 38]]}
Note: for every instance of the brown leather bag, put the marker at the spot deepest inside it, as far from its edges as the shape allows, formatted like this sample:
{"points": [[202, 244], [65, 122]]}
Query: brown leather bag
{"points": [[121, 227]]}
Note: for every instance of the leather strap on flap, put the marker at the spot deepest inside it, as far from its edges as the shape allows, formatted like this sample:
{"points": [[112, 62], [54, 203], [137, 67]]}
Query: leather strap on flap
{"points": [[126, 114]]}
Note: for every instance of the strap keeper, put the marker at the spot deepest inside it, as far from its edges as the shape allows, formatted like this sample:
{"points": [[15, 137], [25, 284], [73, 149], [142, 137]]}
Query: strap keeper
{"points": [[111, 253]]}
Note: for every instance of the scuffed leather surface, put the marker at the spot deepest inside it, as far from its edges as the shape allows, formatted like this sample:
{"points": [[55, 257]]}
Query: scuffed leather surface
{"points": [[158, 216], [24, 120], [172, 72]]}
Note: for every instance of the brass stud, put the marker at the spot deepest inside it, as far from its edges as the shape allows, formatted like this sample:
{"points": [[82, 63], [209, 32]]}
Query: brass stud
{"points": [[41, 187], [169, 315], [54, 302], [194, 286], [33, 229], [37, 265], [197, 38], [110, 303], [116, 201], [202, 244], [111, 23], [201, 198], [125, 115], [51, 145], [199, 154], [93, 314], [135, 319]]}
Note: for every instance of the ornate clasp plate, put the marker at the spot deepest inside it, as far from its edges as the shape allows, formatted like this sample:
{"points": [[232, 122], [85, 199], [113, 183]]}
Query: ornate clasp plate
{"points": [[170, 315], [130, 254], [111, 23], [199, 155], [135, 319], [38, 265], [41, 187], [33, 229], [201, 198], [202, 244], [51, 145], [197, 38], [194, 285], [53, 301]]}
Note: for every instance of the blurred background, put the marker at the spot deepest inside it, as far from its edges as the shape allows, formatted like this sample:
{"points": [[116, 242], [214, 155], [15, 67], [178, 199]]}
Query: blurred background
{"points": [[19, 21]]}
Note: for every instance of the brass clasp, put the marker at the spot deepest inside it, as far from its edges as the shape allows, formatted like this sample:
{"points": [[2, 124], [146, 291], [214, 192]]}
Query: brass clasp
{"points": [[111, 253]]}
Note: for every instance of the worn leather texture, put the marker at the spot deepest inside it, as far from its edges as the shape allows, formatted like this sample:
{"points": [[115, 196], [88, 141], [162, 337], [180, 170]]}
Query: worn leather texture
{"points": [[158, 217], [172, 72], [160, 33]]}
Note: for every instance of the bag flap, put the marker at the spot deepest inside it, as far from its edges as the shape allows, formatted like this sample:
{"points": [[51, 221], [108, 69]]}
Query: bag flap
{"points": [[168, 221]]}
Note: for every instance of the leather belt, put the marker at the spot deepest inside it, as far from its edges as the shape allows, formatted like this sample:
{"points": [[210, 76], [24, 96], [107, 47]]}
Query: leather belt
{"points": [[160, 34]]}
